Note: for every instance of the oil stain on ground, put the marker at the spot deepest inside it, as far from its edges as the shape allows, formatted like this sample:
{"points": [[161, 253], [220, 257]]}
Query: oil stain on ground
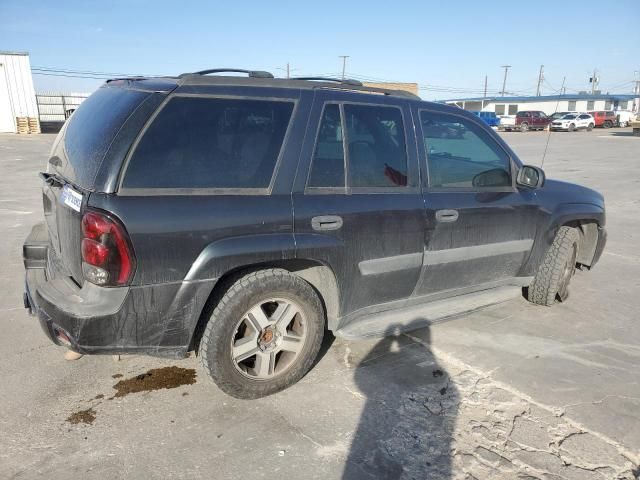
{"points": [[83, 416], [156, 379]]}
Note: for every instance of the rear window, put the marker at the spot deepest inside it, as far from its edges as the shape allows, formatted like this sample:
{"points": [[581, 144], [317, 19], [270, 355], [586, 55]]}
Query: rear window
{"points": [[197, 142], [89, 133]]}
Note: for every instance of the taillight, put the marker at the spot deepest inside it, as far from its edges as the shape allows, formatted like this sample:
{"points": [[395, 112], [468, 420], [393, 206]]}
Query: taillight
{"points": [[107, 257]]}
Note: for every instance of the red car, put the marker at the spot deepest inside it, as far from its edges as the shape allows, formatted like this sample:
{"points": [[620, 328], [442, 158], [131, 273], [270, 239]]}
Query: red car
{"points": [[526, 120], [604, 118]]}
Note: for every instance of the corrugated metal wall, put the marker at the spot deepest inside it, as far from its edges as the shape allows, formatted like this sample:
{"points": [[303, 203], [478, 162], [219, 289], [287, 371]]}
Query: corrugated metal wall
{"points": [[18, 98]]}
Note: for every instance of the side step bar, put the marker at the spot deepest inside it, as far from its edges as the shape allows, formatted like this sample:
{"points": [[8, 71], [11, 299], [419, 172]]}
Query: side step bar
{"points": [[392, 322]]}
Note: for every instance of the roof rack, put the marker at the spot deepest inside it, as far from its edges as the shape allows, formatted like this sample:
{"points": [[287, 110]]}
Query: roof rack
{"points": [[344, 81], [250, 73]]}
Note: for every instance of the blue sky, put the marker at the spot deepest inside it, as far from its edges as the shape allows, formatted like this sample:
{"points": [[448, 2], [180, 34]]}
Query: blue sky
{"points": [[447, 47]]}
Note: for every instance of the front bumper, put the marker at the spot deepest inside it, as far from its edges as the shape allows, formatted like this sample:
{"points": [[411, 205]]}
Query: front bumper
{"points": [[97, 320]]}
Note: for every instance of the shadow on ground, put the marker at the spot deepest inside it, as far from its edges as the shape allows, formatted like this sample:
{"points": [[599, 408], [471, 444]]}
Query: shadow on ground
{"points": [[406, 426]]}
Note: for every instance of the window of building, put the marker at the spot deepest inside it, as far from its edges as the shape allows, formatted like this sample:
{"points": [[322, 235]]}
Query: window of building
{"points": [[590, 105], [500, 109], [210, 143], [377, 155], [461, 154], [607, 105], [623, 104], [327, 169], [571, 106], [513, 109]]}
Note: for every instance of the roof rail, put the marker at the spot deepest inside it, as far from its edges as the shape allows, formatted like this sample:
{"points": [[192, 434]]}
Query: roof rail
{"points": [[250, 73], [344, 81]]}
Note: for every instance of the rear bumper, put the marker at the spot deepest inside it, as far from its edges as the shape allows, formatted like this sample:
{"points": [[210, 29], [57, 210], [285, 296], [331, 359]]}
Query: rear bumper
{"points": [[155, 319]]}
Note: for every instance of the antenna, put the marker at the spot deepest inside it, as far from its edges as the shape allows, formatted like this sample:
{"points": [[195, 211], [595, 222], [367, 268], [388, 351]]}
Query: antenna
{"points": [[544, 155]]}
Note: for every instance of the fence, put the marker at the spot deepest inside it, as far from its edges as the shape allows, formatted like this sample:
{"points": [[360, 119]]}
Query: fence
{"points": [[55, 108]]}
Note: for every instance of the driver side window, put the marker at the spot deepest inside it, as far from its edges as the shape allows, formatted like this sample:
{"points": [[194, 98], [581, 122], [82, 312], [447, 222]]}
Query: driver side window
{"points": [[460, 154]]}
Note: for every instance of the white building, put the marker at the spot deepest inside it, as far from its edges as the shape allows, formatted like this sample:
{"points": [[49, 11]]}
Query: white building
{"points": [[17, 96], [549, 104]]}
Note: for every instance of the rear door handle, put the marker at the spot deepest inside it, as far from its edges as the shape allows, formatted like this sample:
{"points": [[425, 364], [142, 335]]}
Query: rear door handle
{"points": [[446, 216], [326, 222]]}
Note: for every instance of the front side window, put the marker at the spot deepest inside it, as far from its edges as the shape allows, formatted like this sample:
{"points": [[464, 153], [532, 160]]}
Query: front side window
{"points": [[377, 155], [461, 154], [327, 168], [197, 142]]}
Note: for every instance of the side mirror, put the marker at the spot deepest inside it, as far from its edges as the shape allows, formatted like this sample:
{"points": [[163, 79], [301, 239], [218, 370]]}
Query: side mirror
{"points": [[530, 177]]}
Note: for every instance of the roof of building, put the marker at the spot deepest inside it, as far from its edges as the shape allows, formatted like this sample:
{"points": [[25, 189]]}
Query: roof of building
{"points": [[6, 52], [543, 98]]}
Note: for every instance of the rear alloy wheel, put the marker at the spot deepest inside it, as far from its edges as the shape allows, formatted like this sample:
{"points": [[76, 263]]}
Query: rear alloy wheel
{"points": [[263, 335], [524, 127], [572, 127], [589, 127], [552, 279]]}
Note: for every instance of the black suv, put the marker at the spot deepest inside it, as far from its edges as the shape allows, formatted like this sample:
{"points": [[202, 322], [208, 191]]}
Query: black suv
{"points": [[243, 217]]}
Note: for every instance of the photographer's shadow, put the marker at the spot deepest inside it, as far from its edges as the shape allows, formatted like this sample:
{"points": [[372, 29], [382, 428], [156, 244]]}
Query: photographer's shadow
{"points": [[406, 426]]}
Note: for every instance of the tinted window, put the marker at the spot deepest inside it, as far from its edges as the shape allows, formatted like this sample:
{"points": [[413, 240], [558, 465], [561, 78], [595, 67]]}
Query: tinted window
{"points": [[210, 143], [90, 131], [376, 146], [461, 154], [583, 117], [570, 117], [523, 114], [327, 169]]}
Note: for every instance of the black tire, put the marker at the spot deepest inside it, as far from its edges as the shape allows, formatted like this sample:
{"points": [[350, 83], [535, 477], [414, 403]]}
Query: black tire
{"points": [[589, 127], [524, 127], [554, 274], [607, 124], [216, 345], [572, 127]]}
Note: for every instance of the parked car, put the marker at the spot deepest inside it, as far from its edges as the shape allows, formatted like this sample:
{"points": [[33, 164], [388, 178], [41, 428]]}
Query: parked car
{"points": [[604, 118], [489, 118], [624, 118], [573, 121], [559, 115], [244, 217], [525, 121]]}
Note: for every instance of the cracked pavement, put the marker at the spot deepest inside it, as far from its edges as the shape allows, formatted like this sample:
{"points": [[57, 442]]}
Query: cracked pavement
{"points": [[513, 391]]}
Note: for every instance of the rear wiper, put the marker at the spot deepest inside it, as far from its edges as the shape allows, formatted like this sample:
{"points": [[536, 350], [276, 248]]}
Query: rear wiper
{"points": [[51, 179]]}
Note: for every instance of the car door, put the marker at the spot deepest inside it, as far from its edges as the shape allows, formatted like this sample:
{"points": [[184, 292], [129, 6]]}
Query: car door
{"points": [[480, 227], [583, 121], [357, 201]]}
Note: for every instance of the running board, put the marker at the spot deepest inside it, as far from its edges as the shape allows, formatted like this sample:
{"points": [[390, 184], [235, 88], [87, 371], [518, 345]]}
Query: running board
{"points": [[404, 319]]}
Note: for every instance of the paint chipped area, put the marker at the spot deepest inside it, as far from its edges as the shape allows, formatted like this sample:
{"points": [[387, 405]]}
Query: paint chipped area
{"points": [[156, 379]]}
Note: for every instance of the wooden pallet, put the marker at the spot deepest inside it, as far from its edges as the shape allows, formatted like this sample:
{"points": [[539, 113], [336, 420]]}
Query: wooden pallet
{"points": [[22, 125], [34, 125]]}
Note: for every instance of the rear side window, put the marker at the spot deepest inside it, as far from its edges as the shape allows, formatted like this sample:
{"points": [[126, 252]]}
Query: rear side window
{"points": [[460, 154], [90, 131], [197, 142], [377, 154], [327, 169]]}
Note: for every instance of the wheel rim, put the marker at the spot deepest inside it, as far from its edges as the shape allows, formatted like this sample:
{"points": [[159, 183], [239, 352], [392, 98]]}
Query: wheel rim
{"points": [[524, 127], [268, 339], [567, 273]]}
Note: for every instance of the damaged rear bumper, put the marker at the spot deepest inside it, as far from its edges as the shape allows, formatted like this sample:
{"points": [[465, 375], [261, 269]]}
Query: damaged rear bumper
{"points": [[153, 319]]}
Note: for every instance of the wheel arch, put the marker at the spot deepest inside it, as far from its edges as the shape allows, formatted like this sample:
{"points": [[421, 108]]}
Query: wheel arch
{"points": [[320, 276]]}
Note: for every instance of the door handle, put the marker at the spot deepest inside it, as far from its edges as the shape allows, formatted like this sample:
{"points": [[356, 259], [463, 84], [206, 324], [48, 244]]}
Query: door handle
{"points": [[326, 222], [446, 216]]}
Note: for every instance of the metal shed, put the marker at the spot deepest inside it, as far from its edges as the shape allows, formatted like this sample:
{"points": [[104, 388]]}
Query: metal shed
{"points": [[17, 96]]}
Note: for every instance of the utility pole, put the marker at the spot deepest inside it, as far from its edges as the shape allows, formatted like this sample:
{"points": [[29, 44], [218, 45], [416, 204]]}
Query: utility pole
{"points": [[344, 63], [563, 89], [540, 78], [288, 72], [485, 87], [504, 81], [594, 81]]}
